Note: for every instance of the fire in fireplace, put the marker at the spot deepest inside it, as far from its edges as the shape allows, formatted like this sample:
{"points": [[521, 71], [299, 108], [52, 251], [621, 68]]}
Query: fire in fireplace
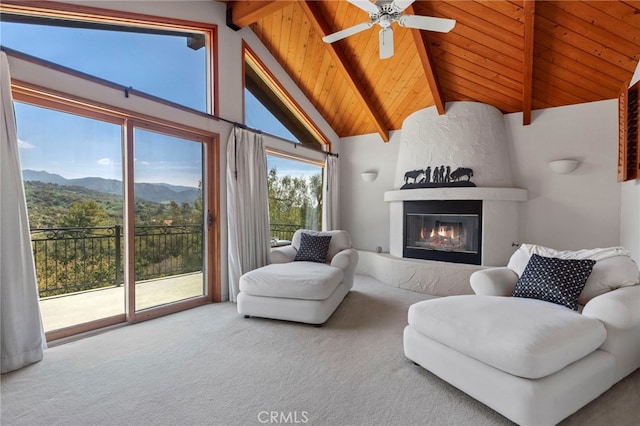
{"points": [[443, 230]]}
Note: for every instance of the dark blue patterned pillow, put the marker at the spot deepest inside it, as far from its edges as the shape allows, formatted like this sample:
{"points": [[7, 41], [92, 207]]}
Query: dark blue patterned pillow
{"points": [[313, 248], [554, 280]]}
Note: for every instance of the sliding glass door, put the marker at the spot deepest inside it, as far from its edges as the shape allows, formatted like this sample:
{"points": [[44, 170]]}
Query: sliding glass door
{"points": [[120, 216], [170, 225], [72, 171]]}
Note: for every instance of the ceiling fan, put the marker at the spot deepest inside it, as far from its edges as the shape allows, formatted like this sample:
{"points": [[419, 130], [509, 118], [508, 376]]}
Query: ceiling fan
{"points": [[384, 13]]}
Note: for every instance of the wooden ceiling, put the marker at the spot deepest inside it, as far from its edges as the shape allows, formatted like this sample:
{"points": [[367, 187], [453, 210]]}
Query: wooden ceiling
{"points": [[517, 55]]}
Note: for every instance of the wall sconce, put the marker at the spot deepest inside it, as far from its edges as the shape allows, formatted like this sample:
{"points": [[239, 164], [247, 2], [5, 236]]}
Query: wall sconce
{"points": [[369, 176], [563, 167]]}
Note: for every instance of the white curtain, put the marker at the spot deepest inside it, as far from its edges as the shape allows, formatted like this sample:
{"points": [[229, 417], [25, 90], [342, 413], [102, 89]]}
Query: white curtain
{"points": [[330, 220], [247, 205], [21, 327]]}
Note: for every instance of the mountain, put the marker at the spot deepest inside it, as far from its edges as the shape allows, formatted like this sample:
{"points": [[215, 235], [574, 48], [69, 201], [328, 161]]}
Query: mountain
{"points": [[156, 192]]}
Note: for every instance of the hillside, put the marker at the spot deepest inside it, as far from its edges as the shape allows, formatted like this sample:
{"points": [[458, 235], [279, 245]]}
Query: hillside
{"points": [[48, 203], [155, 192]]}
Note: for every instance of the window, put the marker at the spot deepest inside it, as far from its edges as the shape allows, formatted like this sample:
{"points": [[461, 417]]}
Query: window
{"points": [[122, 206], [258, 116], [294, 182], [261, 86], [295, 197], [122, 50], [118, 207]]}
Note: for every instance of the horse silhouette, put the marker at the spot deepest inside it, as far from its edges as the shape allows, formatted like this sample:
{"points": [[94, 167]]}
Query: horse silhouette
{"points": [[413, 174]]}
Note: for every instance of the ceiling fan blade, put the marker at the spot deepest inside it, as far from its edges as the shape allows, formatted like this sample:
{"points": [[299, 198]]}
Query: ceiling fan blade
{"points": [[429, 23], [401, 5], [365, 5], [347, 32], [386, 43]]}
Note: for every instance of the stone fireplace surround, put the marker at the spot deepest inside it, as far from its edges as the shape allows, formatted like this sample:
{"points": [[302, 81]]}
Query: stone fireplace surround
{"points": [[472, 135]]}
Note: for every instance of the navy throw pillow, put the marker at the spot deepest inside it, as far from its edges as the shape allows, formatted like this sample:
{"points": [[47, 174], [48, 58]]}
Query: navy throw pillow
{"points": [[554, 280], [313, 248]]}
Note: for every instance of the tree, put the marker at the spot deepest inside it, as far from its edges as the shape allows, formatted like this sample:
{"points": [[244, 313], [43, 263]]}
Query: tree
{"points": [[294, 200], [315, 185], [198, 206], [83, 214]]}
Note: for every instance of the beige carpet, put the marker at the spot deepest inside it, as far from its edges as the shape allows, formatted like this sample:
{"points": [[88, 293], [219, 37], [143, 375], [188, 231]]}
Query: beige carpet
{"points": [[210, 366]]}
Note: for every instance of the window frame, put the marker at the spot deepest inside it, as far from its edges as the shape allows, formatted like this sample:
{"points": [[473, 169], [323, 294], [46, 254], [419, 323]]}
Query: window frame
{"points": [[89, 14], [249, 58], [49, 98]]}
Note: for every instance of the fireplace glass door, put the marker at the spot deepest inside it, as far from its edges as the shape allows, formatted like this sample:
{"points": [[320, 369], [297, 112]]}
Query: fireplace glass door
{"points": [[447, 231]]}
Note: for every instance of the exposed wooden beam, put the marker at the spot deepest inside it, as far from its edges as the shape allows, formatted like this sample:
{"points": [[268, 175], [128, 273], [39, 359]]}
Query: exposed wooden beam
{"points": [[342, 63], [527, 62], [246, 12], [427, 65]]}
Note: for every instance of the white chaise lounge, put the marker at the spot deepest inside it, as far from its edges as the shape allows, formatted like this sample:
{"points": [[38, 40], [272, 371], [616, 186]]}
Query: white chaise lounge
{"points": [[301, 291], [533, 361]]}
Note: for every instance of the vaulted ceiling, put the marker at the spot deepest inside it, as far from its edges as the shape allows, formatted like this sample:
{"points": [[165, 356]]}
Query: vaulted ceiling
{"points": [[517, 55]]}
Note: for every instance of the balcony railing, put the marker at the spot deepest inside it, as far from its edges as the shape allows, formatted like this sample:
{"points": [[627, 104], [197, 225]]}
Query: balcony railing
{"points": [[77, 259], [282, 233], [70, 260]]}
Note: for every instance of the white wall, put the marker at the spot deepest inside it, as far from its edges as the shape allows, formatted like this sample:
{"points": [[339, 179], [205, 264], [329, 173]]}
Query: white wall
{"points": [[630, 218], [579, 210], [363, 212]]}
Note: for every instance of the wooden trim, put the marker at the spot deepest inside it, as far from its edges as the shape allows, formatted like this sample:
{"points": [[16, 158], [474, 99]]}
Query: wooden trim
{"points": [[213, 96], [211, 266], [427, 66], [23, 92], [170, 308], [69, 11], [247, 12], [529, 12], [622, 133], [212, 201], [55, 10], [288, 155], [129, 204], [251, 59], [343, 64], [85, 327], [628, 133], [35, 94]]}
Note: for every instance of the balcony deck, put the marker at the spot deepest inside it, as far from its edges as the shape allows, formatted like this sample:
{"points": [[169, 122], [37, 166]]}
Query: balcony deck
{"points": [[76, 308]]}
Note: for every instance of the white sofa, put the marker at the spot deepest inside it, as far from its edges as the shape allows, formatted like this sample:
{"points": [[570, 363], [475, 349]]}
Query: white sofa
{"points": [[300, 291], [533, 361]]}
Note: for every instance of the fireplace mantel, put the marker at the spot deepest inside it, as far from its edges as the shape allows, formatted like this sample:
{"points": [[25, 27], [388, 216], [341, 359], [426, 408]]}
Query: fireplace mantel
{"points": [[466, 193]]}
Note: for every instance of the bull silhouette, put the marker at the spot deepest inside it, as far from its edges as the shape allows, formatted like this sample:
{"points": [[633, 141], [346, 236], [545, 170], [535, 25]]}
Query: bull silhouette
{"points": [[412, 174], [459, 172]]}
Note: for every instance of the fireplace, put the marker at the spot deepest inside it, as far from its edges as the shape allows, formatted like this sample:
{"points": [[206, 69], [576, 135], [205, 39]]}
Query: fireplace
{"points": [[444, 230]]}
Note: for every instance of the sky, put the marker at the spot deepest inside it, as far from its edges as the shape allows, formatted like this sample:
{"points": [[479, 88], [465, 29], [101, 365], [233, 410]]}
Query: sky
{"points": [[164, 66]]}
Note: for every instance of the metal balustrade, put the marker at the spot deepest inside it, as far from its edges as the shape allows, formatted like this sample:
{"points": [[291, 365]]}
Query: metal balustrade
{"points": [[70, 260], [282, 233]]}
